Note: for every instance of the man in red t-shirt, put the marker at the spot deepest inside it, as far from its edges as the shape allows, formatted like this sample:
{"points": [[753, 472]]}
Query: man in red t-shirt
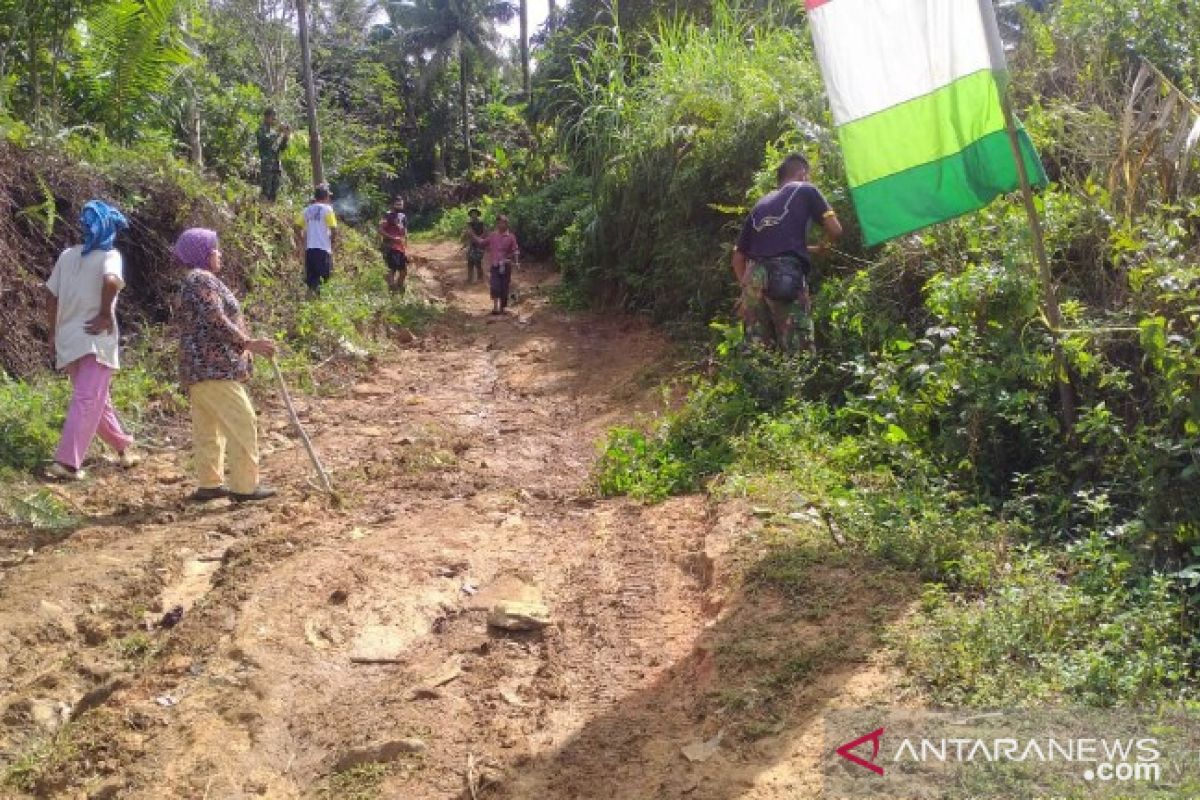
{"points": [[394, 230]]}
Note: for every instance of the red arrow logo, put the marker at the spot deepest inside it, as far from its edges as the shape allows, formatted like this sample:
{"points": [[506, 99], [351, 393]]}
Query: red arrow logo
{"points": [[846, 751]]}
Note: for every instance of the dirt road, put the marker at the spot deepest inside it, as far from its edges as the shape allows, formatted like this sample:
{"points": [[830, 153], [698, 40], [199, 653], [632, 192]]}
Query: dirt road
{"points": [[345, 652]]}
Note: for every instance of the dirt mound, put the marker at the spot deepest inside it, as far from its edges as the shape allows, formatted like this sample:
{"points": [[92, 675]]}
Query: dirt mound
{"points": [[42, 191]]}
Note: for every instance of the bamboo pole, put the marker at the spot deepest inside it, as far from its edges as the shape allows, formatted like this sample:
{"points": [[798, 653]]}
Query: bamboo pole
{"points": [[1066, 393], [1053, 316], [308, 445]]}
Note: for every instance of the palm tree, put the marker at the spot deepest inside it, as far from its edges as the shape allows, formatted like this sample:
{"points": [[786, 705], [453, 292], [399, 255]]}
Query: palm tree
{"points": [[443, 29]]}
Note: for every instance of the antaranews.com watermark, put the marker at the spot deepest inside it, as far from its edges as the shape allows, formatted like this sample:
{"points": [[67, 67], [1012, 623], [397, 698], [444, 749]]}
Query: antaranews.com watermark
{"points": [[889, 754]]}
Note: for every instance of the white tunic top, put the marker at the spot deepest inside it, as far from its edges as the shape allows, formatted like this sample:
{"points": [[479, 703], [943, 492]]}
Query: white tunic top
{"points": [[78, 282]]}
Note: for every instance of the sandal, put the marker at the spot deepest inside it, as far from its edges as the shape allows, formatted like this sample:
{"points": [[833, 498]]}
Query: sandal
{"points": [[60, 472]]}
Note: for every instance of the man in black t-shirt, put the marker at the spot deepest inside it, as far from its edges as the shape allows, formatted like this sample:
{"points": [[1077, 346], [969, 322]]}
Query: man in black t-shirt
{"points": [[772, 259]]}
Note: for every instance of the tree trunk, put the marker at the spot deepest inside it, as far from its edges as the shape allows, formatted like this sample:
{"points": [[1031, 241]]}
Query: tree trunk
{"points": [[525, 48], [439, 165], [35, 73], [464, 102], [310, 94], [191, 108], [195, 149], [3, 76], [552, 15]]}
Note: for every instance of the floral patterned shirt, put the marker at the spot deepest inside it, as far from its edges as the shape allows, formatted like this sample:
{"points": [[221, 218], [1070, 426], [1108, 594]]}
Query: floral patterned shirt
{"points": [[213, 333]]}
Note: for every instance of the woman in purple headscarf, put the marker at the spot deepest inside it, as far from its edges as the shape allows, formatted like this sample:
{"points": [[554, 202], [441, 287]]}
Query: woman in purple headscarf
{"points": [[214, 352]]}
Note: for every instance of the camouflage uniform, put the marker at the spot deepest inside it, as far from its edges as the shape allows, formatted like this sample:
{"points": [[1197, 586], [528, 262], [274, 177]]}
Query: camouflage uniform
{"points": [[774, 243], [475, 252], [270, 145], [785, 326]]}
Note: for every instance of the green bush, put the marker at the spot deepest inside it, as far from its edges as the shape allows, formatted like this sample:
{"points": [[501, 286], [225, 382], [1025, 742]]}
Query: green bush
{"points": [[31, 418], [696, 441], [539, 219]]}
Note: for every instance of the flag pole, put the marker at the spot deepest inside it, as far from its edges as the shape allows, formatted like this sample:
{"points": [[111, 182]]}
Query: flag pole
{"points": [[1066, 393]]}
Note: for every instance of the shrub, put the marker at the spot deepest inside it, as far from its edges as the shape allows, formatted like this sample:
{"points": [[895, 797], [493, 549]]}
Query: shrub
{"points": [[31, 417], [539, 219]]}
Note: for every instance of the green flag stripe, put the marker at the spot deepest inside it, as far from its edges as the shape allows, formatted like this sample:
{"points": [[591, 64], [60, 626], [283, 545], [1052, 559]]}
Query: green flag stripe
{"points": [[922, 130], [944, 189]]}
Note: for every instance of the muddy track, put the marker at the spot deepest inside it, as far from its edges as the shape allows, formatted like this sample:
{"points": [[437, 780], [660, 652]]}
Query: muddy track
{"points": [[313, 633]]}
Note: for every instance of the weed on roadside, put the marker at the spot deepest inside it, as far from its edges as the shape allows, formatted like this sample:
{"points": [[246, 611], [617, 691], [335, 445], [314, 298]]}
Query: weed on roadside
{"points": [[35, 507], [28, 771], [138, 648], [357, 783], [1005, 619]]}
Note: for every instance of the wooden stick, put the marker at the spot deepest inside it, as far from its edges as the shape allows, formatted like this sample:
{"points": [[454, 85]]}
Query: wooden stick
{"points": [[472, 778], [308, 445]]}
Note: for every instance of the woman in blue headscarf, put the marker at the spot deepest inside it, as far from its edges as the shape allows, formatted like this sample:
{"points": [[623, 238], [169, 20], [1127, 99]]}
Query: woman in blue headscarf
{"points": [[83, 329]]}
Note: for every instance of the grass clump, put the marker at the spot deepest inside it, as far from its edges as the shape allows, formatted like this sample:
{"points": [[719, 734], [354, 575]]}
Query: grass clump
{"points": [[1039, 637], [37, 508], [136, 647], [697, 441], [39, 764], [363, 782]]}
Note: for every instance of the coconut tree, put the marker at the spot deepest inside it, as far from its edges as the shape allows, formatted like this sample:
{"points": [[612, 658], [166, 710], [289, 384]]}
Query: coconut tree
{"points": [[437, 31]]}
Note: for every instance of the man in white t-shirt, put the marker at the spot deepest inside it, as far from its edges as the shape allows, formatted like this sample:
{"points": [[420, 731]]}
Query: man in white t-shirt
{"points": [[83, 325], [320, 232]]}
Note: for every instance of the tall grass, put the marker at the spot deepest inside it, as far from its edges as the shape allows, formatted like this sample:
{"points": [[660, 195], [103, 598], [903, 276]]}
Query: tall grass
{"points": [[674, 140]]}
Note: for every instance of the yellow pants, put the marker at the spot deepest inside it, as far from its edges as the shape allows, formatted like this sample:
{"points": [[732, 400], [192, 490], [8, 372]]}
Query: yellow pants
{"points": [[222, 418]]}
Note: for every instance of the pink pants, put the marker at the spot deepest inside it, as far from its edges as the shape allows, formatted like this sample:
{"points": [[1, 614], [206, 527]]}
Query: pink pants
{"points": [[91, 413]]}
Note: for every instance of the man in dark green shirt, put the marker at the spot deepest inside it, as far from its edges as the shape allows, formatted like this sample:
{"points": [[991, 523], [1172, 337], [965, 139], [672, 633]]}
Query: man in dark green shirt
{"points": [[271, 142]]}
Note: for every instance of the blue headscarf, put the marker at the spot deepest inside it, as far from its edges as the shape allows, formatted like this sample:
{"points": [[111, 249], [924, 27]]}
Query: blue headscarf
{"points": [[101, 224]]}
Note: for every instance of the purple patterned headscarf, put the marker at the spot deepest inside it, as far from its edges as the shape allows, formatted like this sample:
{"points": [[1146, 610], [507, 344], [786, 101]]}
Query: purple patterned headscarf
{"points": [[194, 247]]}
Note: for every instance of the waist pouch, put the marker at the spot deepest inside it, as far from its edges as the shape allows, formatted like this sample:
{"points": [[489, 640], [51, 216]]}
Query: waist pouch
{"points": [[785, 278]]}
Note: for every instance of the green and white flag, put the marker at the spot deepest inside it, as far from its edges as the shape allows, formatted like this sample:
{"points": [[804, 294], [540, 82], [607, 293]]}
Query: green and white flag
{"points": [[915, 89]]}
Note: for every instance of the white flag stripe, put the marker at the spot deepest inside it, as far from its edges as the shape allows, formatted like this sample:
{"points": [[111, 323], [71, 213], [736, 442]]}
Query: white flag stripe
{"points": [[876, 54]]}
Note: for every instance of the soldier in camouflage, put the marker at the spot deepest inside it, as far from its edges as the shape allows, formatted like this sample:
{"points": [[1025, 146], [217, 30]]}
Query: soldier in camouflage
{"points": [[271, 143]]}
